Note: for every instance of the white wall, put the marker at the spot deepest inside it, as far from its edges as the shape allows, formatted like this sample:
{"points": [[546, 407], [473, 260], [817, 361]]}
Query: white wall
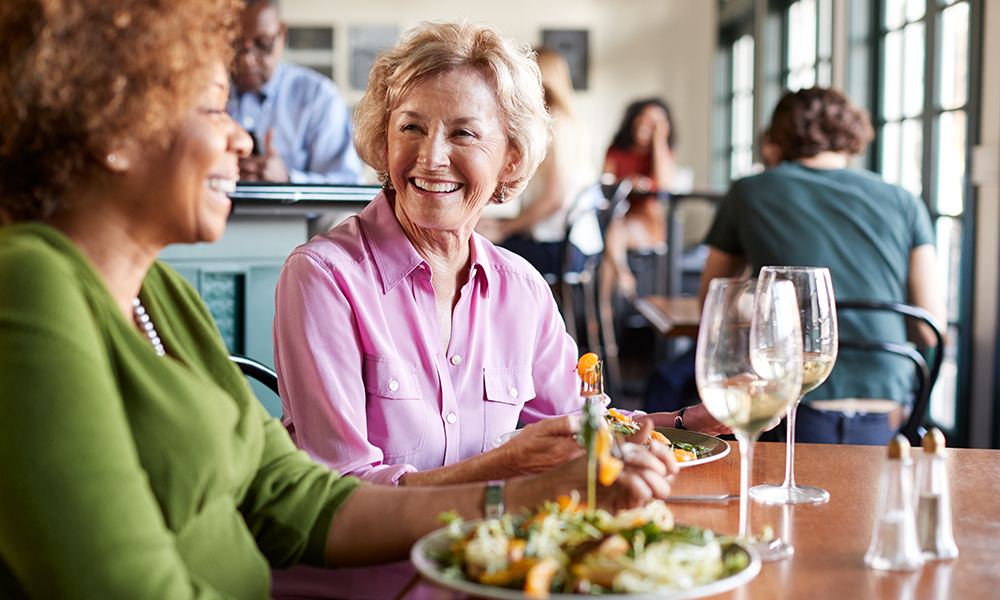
{"points": [[638, 48]]}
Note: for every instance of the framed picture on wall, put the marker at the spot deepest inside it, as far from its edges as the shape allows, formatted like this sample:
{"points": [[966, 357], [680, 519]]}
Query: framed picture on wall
{"points": [[573, 45], [366, 42], [311, 47]]}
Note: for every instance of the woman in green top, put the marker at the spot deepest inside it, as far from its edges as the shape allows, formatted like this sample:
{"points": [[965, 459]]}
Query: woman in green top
{"points": [[134, 460]]}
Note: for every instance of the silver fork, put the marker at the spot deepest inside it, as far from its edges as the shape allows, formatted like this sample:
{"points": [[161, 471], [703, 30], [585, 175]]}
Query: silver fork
{"points": [[593, 393]]}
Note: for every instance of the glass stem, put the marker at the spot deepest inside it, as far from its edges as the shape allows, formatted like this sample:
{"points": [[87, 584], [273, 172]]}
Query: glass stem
{"points": [[790, 445], [746, 459]]}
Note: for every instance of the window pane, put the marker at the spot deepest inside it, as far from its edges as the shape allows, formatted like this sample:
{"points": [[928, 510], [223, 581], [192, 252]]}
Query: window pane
{"points": [[824, 16], [913, 78], [915, 9], [951, 163], [943, 398], [911, 148], [954, 55], [801, 35], [825, 74], [948, 233], [892, 96], [894, 16], [890, 152]]}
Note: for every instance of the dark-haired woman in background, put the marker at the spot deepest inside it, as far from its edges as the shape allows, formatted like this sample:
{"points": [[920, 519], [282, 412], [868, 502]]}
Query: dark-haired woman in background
{"points": [[876, 239], [642, 152]]}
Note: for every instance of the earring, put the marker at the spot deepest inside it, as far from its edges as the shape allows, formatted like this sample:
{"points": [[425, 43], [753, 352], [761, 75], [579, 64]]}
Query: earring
{"points": [[112, 158], [503, 194]]}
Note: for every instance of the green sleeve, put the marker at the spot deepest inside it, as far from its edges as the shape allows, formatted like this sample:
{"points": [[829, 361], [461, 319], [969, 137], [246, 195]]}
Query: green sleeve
{"points": [[292, 499], [77, 516], [280, 508]]}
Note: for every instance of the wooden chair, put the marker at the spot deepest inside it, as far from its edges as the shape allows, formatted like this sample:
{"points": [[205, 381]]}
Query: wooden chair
{"points": [[926, 376]]}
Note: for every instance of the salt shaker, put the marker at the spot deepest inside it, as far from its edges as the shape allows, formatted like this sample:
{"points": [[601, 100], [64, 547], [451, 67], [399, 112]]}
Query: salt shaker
{"points": [[933, 501], [894, 544]]}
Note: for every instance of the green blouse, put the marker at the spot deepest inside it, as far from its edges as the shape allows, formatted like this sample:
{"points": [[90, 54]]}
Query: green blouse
{"points": [[124, 474]]}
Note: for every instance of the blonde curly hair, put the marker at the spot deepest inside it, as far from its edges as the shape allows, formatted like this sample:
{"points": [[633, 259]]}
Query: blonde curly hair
{"points": [[83, 77], [431, 49]]}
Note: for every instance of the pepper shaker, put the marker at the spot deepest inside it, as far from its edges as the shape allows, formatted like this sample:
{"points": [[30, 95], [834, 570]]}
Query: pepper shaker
{"points": [[937, 542], [894, 545]]}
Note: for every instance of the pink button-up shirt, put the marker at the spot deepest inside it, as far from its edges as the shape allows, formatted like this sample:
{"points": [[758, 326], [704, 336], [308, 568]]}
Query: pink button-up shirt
{"points": [[366, 384]]}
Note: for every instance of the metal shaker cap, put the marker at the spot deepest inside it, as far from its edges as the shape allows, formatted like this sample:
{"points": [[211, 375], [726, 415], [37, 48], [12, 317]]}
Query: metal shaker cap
{"points": [[933, 442], [899, 447]]}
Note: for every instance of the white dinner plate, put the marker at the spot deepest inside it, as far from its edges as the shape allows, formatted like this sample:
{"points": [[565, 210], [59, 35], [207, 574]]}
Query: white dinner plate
{"points": [[438, 541], [717, 448]]}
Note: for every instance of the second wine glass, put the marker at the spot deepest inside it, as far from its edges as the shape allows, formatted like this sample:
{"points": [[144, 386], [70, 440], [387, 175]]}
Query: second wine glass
{"points": [[748, 368], [818, 312]]}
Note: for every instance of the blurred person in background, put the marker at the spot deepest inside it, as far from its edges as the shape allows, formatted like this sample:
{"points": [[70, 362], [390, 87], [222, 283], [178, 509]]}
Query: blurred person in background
{"points": [[876, 238], [565, 180], [300, 123]]}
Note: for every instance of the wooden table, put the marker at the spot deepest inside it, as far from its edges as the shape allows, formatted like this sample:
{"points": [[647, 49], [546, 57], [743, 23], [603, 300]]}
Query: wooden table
{"points": [[671, 316], [830, 539]]}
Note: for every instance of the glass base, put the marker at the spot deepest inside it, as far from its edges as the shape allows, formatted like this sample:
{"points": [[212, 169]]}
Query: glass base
{"points": [[796, 494], [771, 550]]}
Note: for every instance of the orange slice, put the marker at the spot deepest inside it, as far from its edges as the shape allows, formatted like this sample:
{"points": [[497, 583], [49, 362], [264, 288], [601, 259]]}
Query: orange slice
{"points": [[587, 368]]}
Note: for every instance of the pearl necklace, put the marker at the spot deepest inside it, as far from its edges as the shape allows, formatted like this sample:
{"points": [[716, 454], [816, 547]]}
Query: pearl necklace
{"points": [[146, 325]]}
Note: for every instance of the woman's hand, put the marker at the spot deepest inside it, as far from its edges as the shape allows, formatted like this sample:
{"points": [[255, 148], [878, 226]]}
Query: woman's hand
{"points": [[543, 445], [646, 476], [697, 418]]}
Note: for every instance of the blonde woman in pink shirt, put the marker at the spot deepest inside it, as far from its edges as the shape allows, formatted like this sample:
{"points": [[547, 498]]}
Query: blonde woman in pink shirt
{"points": [[404, 342]]}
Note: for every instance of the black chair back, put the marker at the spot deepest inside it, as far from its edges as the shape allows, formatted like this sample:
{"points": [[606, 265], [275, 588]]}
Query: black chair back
{"points": [[926, 375], [256, 370]]}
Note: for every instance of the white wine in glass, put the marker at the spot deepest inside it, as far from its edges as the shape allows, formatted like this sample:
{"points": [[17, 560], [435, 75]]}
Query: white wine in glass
{"points": [[748, 368], [818, 312]]}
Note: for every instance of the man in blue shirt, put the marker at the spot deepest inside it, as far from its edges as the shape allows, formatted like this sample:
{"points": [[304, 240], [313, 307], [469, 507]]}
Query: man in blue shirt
{"points": [[300, 123]]}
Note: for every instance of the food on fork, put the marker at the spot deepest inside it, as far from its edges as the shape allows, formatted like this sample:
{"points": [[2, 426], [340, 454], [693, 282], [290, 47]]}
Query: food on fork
{"points": [[589, 368]]}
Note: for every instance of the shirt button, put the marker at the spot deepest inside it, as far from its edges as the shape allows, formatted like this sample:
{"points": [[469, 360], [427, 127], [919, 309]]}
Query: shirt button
{"points": [[451, 418], [393, 385], [513, 392], [456, 360], [247, 122]]}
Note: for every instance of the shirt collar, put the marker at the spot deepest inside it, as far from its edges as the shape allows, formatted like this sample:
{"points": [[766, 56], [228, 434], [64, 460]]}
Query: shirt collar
{"points": [[270, 87], [394, 255], [268, 90]]}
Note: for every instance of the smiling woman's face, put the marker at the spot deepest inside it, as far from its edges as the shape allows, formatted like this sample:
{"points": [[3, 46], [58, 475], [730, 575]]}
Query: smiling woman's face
{"points": [[447, 151], [188, 182]]}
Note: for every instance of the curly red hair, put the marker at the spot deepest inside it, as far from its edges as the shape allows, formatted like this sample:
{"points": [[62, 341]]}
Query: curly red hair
{"points": [[83, 77], [815, 120]]}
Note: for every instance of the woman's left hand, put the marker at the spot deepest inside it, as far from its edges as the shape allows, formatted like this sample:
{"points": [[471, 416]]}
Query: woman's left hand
{"points": [[696, 418], [646, 475], [543, 445]]}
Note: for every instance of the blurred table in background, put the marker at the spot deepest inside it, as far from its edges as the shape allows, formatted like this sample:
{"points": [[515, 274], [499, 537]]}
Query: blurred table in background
{"points": [[671, 316]]}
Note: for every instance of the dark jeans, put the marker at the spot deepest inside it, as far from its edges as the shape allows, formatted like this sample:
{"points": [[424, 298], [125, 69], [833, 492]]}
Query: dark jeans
{"points": [[824, 427]]}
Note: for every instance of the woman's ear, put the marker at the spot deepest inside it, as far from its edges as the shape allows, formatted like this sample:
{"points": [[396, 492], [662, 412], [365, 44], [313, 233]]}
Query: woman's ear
{"points": [[118, 157], [513, 160]]}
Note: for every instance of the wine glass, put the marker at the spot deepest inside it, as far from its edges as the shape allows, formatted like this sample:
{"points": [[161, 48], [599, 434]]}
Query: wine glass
{"points": [[748, 369], [818, 311]]}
